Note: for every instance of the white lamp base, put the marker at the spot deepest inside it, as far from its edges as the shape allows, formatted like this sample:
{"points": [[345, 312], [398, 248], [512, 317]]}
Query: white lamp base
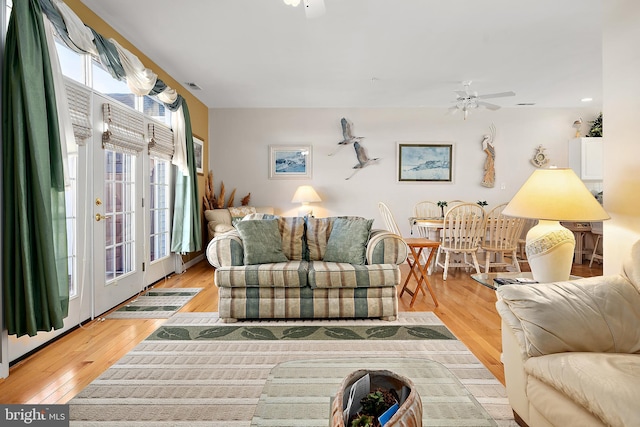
{"points": [[305, 210], [550, 249]]}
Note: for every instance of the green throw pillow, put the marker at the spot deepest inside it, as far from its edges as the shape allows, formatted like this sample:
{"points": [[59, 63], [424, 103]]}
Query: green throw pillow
{"points": [[348, 240], [261, 240]]}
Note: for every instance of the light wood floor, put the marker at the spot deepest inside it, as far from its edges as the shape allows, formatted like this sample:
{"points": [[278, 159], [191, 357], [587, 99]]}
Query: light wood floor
{"points": [[58, 372]]}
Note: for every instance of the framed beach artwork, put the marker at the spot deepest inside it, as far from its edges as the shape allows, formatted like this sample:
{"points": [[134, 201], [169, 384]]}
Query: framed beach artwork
{"points": [[427, 162], [289, 161], [198, 152]]}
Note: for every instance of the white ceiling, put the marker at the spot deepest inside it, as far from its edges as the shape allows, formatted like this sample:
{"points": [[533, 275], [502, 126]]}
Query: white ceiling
{"points": [[369, 53]]}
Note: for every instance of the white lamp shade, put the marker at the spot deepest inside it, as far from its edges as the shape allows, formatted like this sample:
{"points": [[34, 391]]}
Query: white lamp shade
{"points": [[555, 194], [305, 194]]}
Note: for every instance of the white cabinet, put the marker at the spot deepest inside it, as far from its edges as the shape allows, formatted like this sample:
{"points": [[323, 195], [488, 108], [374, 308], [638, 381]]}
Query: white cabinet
{"points": [[585, 158]]}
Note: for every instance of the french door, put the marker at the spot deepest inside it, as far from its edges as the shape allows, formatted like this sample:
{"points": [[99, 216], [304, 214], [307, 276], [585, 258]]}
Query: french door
{"points": [[118, 243], [118, 229]]}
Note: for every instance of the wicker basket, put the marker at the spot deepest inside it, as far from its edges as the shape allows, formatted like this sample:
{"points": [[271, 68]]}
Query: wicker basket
{"points": [[410, 412]]}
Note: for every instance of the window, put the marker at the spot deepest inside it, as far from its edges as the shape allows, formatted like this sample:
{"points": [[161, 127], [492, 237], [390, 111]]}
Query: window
{"points": [[71, 197], [119, 212], [72, 63], [7, 14], [153, 108], [159, 208], [104, 83]]}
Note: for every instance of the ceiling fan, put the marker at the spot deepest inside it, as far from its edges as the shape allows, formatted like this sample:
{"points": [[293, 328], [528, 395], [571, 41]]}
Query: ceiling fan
{"points": [[470, 100], [312, 8]]}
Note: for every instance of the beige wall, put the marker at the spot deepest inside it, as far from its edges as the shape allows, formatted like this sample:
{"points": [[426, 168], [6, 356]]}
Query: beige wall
{"points": [[621, 110], [241, 138], [198, 111]]}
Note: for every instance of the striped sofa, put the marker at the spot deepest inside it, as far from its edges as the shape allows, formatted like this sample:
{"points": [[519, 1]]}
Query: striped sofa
{"points": [[306, 286]]}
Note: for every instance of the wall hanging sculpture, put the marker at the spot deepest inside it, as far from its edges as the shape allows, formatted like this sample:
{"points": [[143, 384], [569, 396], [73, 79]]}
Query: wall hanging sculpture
{"points": [[363, 159], [489, 177], [347, 136], [361, 153]]}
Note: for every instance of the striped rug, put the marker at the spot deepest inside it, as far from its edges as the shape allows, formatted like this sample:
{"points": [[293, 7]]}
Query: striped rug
{"points": [[219, 383], [158, 303]]}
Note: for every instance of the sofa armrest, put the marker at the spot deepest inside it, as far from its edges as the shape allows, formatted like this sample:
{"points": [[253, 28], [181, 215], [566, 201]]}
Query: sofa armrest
{"points": [[515, 377], [595, 314], [385, 247], [226, 250]]}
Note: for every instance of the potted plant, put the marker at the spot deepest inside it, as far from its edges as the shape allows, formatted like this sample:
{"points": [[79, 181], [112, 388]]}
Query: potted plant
{"points": [[596, 127], [442, 205], [376, 399]]}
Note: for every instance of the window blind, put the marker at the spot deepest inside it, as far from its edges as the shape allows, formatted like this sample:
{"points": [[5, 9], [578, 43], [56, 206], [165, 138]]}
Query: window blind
{"points": [[124, 129], [160, 141], [79, 100]]}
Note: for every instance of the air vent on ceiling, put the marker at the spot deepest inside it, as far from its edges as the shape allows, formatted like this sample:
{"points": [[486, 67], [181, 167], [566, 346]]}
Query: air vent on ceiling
{"points": [[193, 86], [522, 104]]}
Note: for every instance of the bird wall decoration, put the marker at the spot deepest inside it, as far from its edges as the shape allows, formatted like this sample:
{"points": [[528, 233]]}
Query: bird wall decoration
{"points": [[363, 159], [347, 136]]}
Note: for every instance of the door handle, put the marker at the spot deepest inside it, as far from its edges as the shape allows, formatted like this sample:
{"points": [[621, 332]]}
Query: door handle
{"points": [[101, 217]]}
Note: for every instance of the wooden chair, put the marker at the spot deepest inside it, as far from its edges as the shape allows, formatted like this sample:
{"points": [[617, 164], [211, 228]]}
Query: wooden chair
{"points": [[501, 237], [463, 230], [453, 203], [426, 209], [416, 252], [596, 230]]}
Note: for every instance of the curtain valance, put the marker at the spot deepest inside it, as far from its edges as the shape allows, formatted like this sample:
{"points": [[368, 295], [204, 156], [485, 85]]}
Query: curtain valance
{"points": [[123, 65], [160, 141], [124, 129]]}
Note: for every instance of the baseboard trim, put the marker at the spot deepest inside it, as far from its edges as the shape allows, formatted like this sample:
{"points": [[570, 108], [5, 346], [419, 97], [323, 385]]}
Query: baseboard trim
{"points": [[194, 261]]}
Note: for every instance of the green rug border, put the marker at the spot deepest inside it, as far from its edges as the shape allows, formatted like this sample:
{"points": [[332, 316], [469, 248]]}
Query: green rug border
{"points": [[300, 332]]}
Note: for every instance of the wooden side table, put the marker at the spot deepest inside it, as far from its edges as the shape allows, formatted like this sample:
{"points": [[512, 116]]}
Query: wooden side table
{"points": [[416, 246]]}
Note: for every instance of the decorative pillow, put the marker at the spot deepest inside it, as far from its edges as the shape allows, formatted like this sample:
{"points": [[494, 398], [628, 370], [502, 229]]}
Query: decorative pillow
{"points": [[261, 240], [237, 213], [259, 215], [292, 231], [348, 240], [318, 232]]}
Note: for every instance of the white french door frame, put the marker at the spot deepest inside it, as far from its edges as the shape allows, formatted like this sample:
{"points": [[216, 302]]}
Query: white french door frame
{"points": [[123, 211]]}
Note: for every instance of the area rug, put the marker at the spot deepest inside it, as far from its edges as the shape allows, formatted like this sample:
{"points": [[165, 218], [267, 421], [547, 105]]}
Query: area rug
{"points": [[218, 382], [155, 304]]}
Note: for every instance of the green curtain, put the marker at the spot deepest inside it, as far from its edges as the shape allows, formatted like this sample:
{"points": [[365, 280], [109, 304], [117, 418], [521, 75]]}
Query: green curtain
{"points": [[35, 281], [186, 235]]}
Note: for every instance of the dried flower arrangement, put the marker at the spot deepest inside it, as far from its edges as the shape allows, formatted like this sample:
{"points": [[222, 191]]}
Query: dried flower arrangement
{"points": [[211, 201]]}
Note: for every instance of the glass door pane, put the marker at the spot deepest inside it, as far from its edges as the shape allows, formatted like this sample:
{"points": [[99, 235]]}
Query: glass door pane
{"points": [[119, 190]]}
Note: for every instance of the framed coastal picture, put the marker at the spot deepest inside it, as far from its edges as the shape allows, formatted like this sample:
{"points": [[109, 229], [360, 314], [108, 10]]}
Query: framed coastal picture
{"points": [[430, 162], [198, 151], [289, 161]]}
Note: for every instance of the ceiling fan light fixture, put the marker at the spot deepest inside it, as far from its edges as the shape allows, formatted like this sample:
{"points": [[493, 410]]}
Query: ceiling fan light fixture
{"points": [[293, 3]]}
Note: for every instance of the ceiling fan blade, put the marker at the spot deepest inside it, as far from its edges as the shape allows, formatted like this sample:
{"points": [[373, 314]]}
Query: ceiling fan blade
{"points": [[452, 110], [489, 106], [497, 95], [314, 8], [461, 94]]}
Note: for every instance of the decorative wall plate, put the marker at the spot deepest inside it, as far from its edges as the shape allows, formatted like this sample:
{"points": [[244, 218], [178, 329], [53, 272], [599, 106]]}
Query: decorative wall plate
{"points": [[540, 158]]}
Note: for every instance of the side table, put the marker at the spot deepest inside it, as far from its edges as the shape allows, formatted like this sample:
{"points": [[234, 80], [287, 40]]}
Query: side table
{"points": [[416, 246]]}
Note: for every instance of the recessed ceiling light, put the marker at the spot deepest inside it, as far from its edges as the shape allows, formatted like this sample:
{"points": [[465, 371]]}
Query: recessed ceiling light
{"points": [[586, 99]]}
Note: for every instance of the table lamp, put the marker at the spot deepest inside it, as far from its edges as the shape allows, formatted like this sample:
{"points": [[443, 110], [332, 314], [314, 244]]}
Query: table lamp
{"points": [[305, 194], [550, 196]]}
